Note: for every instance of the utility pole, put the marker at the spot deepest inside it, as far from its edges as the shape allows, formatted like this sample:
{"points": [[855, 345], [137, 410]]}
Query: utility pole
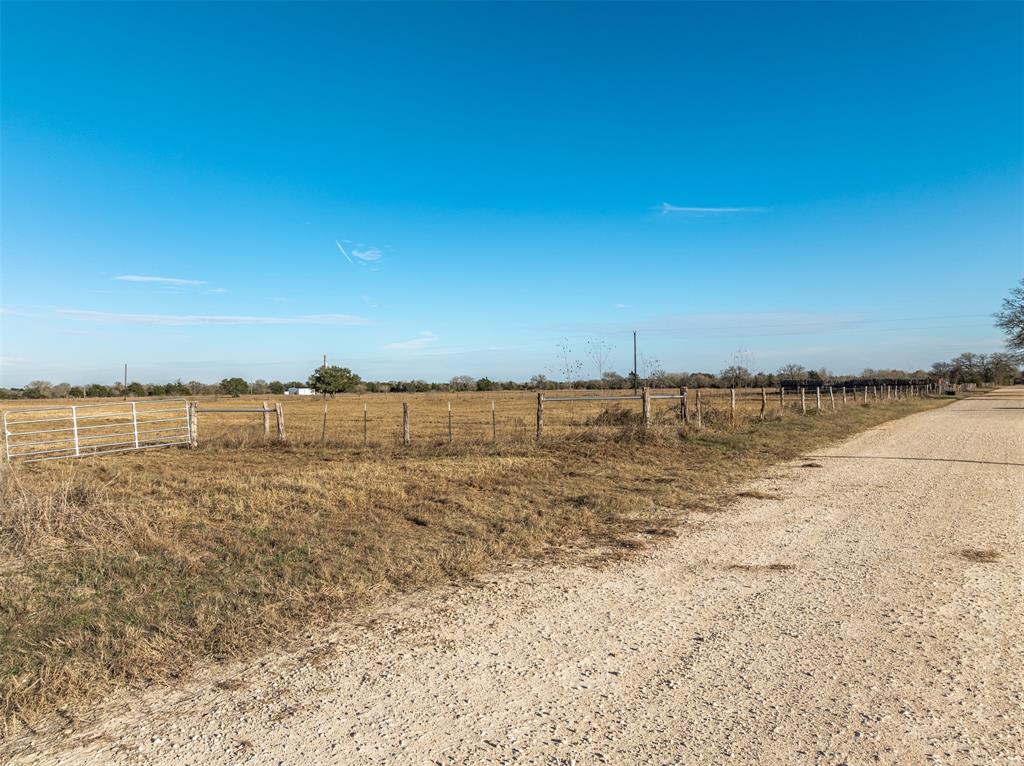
{"points": [[636, 374], [323, 431]]}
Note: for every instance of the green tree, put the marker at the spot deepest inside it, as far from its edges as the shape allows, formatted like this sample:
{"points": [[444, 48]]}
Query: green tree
{"points": [[1011, 319], [485, 384], [333, 380], [136, 389], [276, 387], [234, 386], [76, 392]]}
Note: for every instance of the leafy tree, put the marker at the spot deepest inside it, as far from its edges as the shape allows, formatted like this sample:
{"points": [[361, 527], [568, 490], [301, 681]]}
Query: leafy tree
{"points": [[177, 388], [333, 380], [260, 386], [76, 392], [136, 389], [485, 384], [234, 386], [1011, 319], [275, 387], [96, 390]]}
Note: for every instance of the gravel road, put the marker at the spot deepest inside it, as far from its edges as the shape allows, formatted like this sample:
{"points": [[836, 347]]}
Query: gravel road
{"points": [[863, 608]]}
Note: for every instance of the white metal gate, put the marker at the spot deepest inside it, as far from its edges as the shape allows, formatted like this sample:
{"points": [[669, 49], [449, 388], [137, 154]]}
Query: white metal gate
{"points": [[50, 433]]}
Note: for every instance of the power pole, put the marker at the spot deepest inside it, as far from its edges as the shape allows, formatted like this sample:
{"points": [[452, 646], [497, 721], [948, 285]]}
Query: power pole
{"points": [[323, 432], [636, 374]]}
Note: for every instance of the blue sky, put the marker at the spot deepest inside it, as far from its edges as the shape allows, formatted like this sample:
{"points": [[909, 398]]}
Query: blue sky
{"points": [[834, 185]]}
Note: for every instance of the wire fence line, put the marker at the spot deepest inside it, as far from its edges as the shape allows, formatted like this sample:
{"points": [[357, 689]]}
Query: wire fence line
{"points": [[82, 430], [477, 417]]}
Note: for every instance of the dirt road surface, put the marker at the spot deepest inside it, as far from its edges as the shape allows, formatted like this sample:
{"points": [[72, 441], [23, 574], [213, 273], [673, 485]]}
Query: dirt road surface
{"points": [[866, 607]]}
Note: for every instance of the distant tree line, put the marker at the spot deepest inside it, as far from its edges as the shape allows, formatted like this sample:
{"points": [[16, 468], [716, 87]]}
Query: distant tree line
{"points": [[1003, 368], [998, 368]]}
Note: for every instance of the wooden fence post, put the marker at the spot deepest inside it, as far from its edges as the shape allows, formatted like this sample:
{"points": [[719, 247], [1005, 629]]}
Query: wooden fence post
{"points": [[865, 394], [832, 396], [645, 407], [782, 401], [494, 424], [406, 434], [732, 406], [764, 401], [279, 410], [683, 414], [365, 429], [700, 411], [449, 422], [817, 395], [803, 399], [844, 394], [540, 414], [266, 419]]}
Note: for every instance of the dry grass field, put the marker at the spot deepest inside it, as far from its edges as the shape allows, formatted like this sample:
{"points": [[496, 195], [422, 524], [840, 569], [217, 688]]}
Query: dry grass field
{"points": [[514, 415], [132, 568]]}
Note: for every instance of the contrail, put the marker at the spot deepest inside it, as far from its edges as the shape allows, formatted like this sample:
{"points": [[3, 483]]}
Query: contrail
{"points": [[343, 251]]}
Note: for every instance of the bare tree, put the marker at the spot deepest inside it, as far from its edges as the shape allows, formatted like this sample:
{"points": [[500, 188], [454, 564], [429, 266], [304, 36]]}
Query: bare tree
{"points": [[570, 367], [599, 351], [648, 365], [1011, 319], [793, 371]]}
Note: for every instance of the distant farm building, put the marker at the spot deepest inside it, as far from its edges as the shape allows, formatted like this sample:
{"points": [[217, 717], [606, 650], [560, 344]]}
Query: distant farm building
{"points": [[295, 391]]}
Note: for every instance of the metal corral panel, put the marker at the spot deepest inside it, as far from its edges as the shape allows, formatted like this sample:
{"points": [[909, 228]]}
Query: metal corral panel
{"points": [[69, 431]]}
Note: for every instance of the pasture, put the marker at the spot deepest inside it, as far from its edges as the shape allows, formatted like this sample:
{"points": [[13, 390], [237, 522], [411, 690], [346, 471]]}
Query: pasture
{"points": [[434, 418]]}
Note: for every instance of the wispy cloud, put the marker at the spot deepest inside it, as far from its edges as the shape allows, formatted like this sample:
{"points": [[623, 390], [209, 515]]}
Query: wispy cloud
{"points": [[366, 255], [160, 280], [667, 209], [217, 290], [199, 319], [620, 305], [425, 339]]}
